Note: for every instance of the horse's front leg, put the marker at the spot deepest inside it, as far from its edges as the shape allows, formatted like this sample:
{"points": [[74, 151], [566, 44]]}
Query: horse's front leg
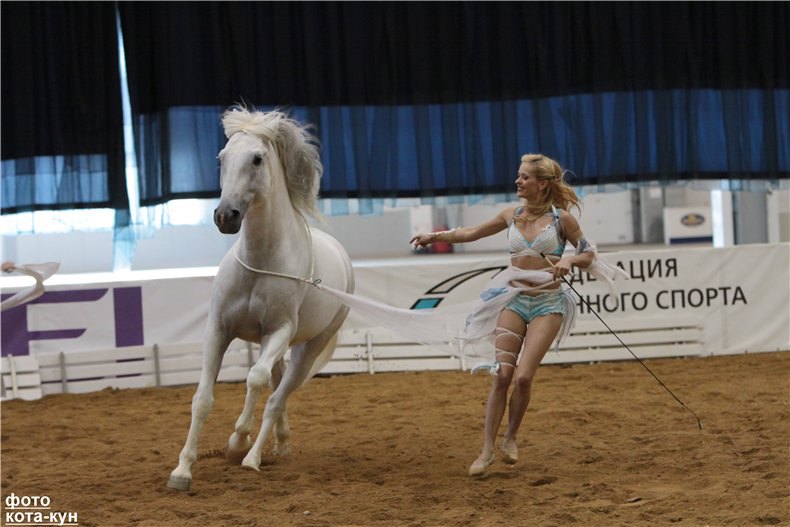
{"points": [[239, 443], [273, 347], [213, 350]]}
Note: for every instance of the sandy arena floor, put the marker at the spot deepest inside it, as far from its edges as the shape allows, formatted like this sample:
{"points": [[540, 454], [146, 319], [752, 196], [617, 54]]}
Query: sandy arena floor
{"points": [[602, 445]]}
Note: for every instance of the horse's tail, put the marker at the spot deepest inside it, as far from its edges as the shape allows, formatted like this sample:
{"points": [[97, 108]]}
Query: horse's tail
{"points": [[324, 357]]}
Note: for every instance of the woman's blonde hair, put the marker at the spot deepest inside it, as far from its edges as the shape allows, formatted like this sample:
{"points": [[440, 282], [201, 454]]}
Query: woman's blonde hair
{"points": [[557, 193]]}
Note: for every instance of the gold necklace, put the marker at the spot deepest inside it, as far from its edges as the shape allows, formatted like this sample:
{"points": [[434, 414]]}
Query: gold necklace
{"points": [[531, 216]]}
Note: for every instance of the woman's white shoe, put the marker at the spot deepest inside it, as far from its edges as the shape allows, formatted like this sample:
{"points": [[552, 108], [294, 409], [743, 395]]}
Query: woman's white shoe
{"points": [[480, 465], [510, 451]]}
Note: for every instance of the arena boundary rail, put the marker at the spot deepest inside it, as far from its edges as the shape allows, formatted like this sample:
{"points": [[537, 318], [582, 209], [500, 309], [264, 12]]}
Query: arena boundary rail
{"points": [[370, 350]]}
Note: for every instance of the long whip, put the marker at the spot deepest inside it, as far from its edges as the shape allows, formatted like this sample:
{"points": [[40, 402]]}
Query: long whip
{"points": [[699, 421]]}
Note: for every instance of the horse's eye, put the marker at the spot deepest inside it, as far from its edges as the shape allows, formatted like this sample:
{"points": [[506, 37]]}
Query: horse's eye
{"points": [[257, 160]]}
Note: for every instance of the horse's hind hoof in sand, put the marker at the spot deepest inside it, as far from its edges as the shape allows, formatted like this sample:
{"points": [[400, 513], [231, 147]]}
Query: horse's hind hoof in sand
{"points": [[265, 289]]}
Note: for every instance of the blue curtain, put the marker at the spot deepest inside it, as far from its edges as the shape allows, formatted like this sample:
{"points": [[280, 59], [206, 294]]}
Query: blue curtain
{"points": [[374, 152], [410, 99], [432, 99], [62, 137]]}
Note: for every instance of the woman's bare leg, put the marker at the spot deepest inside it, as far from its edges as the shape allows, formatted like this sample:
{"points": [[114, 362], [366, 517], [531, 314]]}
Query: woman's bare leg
{"points": [[540, 333], [509, 336]]}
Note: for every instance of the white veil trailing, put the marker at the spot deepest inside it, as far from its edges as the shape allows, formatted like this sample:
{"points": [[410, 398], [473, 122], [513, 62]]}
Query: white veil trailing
{"points": [[39, 272], [466, 330]]}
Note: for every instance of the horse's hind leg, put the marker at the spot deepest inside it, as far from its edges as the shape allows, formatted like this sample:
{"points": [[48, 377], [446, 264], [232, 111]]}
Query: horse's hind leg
{"points": [[282, 431], [202, 401]]}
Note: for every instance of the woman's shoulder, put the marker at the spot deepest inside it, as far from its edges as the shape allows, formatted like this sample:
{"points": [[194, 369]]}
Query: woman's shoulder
{"points": [[568, 221], [510, 212], [565, 216]]}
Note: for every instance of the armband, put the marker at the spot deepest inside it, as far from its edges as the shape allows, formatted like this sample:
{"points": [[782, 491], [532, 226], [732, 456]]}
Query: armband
{"points": [[451, 232], [585, 246]]}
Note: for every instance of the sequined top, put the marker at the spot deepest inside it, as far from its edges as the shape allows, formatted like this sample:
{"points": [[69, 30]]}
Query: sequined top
{"points": [[548, 241]]}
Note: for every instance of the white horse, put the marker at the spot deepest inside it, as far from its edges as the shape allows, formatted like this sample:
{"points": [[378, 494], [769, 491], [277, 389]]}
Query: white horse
{"points": [[270, 174]]}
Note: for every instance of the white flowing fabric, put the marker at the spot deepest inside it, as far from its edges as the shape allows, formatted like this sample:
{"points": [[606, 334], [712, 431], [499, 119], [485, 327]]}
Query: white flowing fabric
{"points": [[466, 330], [39, 272]]}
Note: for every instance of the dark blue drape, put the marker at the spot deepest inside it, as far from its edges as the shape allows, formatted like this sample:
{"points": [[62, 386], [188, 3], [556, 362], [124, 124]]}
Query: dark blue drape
{"points": [[474, 148], [442, 98], [62, 125]]}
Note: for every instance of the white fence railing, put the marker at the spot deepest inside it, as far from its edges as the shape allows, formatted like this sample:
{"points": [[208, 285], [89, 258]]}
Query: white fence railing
{"points": [[358, 351]]}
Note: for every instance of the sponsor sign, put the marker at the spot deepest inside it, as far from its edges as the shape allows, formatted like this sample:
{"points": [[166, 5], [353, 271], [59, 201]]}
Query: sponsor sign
{"points": [[740, 295]]}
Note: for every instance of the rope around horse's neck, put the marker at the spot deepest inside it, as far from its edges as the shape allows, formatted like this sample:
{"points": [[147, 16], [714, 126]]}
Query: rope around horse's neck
{"points": [[308, 279]]}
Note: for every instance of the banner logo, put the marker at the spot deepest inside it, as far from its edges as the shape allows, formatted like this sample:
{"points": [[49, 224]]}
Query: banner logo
{"points": [[440, 290], [692, 219], [127, 313]]}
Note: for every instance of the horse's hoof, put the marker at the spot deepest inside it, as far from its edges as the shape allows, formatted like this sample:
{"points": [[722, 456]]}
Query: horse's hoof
{"points": [[251, 463], [250, 467], [179, 483], [237, 449]]}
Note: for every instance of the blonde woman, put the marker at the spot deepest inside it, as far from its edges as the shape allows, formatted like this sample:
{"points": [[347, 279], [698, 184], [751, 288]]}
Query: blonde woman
{"points": [[532, 306]]}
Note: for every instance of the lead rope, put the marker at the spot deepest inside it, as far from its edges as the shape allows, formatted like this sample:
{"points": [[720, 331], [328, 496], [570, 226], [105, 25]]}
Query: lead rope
{"points": [[594, 312], [309, 279]]}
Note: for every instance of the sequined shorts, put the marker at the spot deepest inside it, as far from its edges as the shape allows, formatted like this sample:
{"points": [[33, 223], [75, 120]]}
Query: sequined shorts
{"points": [[532, 307]]}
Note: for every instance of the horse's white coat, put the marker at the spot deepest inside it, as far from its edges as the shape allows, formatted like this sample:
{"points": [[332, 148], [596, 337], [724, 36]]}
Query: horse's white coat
{"points": [[269, 177]]}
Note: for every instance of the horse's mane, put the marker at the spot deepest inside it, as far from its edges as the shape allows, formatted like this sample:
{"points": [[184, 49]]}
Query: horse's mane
{"points": [[296, 147]]}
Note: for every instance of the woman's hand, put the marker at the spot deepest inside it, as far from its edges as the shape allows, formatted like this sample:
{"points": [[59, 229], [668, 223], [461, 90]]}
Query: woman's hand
{"points": [[563, 267], [423, 240]]}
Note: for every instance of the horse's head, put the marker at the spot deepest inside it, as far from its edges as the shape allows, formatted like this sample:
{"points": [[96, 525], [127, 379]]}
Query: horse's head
{"points": [[244, 179], [263, 150]]}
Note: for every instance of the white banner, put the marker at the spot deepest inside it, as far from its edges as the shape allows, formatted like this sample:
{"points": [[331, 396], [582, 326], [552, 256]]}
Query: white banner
{"points": [[740, 295]]}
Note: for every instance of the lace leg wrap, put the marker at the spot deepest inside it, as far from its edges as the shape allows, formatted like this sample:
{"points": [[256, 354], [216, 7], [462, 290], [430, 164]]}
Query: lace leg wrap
{"points": [[503, 332], [493, 368]]}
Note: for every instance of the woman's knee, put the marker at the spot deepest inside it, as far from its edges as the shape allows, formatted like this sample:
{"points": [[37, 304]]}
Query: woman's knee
{"points": [[523, 381], [503, 379]]}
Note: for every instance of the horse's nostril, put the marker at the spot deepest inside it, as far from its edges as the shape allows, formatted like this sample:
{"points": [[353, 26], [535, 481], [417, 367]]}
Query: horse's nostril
{"points": [[235, 213]]}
